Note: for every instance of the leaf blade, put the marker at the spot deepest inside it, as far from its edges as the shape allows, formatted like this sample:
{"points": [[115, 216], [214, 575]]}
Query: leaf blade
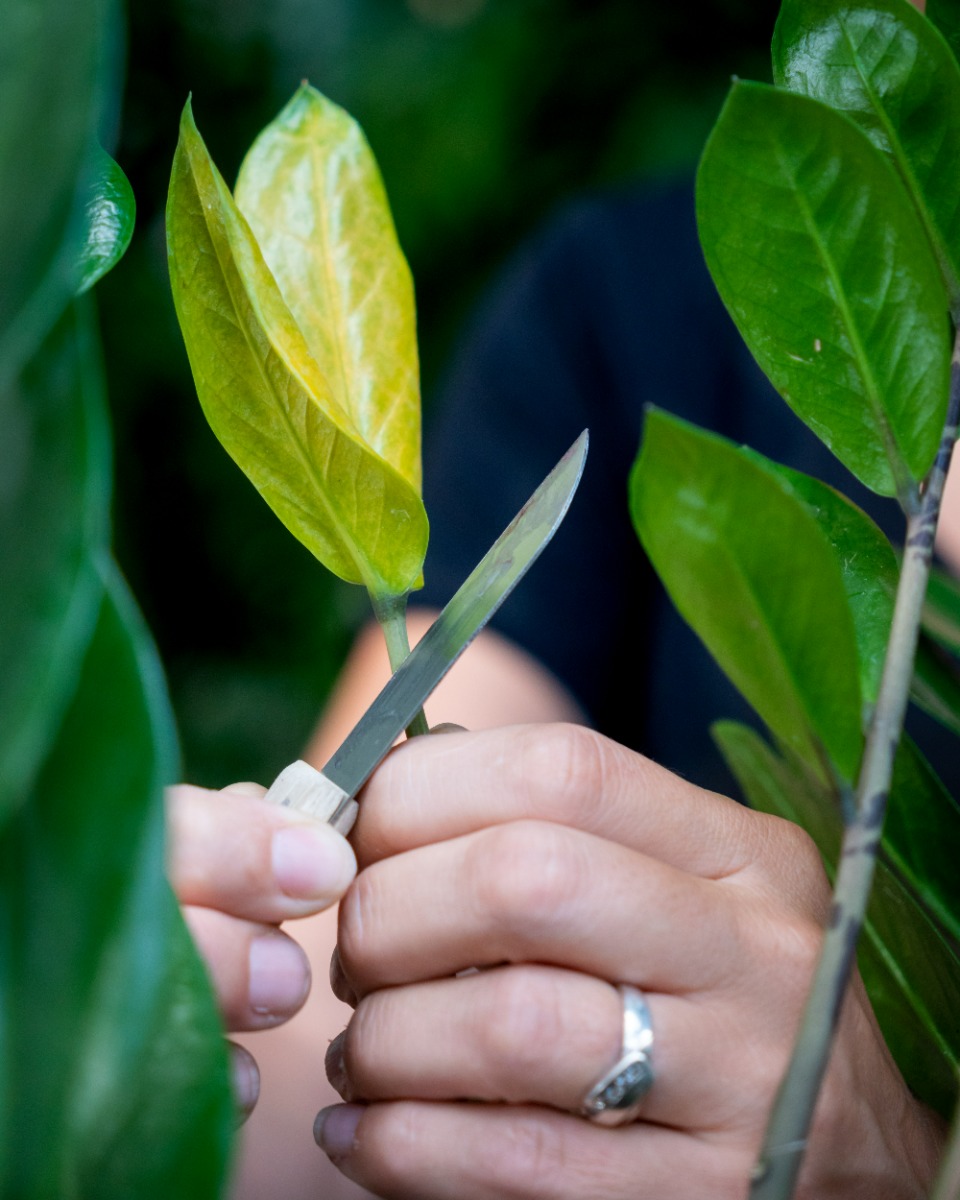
{"points": [[883, 64], [267, 400], [311, 190], [712, 522], [818, 255], [110, 213]]}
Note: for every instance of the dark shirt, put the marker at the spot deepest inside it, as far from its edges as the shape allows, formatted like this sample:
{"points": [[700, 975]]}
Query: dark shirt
{"points": [[610, 308]]}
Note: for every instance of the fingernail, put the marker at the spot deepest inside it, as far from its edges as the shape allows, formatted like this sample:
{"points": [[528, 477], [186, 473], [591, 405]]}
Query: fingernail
{"points": [[333, 1064], [312, 862], [279, 975], [255, 790], [246, 1081], [335, 1129]]}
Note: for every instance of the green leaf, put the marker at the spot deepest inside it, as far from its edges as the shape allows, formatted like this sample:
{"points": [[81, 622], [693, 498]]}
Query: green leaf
{"points": [[921, 836], [112, 1042], [55, 61], [883, 64], [312, 193], [818, 253], [946, 16], [868, 566], [110, 213], [911, 971], [268, 401], [54, 497], [714, 524]]}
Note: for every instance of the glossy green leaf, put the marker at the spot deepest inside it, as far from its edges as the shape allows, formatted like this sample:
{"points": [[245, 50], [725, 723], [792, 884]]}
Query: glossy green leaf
{"points": [[113, 1049], [53, 93], [941, 609], [110, 212], [54, 497], [268, 401], [312, 193], [867, 561], [883, 64], [911, 970], [714, 524], [817, 251]]}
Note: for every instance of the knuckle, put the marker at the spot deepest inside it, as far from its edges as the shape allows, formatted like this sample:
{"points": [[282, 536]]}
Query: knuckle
{"points": [[523, 875], [532, 1158], [562, 768], [523, 1032], [393, 1145]]}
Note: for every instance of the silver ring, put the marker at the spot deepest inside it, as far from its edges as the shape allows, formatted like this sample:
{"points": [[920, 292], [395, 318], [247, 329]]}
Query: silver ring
{"points": [[617, 1095]]}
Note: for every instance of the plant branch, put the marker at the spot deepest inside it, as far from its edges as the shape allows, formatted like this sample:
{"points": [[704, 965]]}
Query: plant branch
{"points": [[391, 613], [781, 1156]]}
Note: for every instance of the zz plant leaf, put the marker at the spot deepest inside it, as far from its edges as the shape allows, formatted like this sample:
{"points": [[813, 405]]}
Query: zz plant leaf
{"points": [[312, 193], [110, 213], [883, 64], [818, 253], [713, 522], [293, 415]]}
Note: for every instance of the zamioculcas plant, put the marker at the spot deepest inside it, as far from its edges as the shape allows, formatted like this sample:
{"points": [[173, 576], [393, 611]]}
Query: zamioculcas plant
{"points": [[829, 214], [297, 309]]}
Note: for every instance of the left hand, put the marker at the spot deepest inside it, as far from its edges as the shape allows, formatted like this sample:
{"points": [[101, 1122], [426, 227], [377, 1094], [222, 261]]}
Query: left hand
{"points": [[564, 864]]}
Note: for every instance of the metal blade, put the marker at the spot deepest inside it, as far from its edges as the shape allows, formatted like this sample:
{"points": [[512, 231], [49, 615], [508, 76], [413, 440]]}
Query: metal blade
{"points": [[475, 602]]}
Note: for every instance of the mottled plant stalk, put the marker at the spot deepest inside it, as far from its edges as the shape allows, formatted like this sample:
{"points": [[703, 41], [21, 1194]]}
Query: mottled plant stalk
{"points": [[391, 613], [781, 1156]]}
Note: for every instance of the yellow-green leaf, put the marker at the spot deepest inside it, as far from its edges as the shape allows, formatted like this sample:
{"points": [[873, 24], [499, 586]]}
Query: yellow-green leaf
{"points": [[267, 399], [312, 193]]}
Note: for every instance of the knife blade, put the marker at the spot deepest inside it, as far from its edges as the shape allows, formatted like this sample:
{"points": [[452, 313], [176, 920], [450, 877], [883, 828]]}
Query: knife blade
{"points": [[330, 794]]}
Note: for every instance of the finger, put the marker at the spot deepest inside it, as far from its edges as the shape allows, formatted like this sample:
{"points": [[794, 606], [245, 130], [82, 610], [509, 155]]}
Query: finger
{"points": [[487, 1152], [230, 851], [430, 789], [540, 1035], [260, 975], [534, 892]]}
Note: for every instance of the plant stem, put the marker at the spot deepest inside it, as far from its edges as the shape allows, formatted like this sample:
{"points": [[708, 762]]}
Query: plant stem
{"points": [[391, 613], [781, 1156]]}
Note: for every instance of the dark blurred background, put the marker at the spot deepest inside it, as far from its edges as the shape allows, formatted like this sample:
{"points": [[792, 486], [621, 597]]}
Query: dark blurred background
{"points": [[484, 115]]}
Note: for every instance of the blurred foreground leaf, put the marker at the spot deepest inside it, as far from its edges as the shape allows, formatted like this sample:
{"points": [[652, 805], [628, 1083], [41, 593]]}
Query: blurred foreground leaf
{"points": [[713, 523], [268, 400], [54, 494], [114, 1068], [912, 971], [110, 211], [817, 251], [883, 64]]}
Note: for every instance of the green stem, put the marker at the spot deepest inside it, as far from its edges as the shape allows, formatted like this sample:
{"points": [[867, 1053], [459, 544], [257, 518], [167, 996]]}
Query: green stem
{"points": [[781, 1156], [391, 613]]}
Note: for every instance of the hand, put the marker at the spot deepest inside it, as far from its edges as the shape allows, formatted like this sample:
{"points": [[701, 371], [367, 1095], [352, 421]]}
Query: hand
{"points": [[563, 863], [240, 867]]}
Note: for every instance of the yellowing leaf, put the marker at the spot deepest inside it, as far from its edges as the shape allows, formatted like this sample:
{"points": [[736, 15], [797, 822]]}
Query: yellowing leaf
{"points": [[267, 399], [313, 196]]}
